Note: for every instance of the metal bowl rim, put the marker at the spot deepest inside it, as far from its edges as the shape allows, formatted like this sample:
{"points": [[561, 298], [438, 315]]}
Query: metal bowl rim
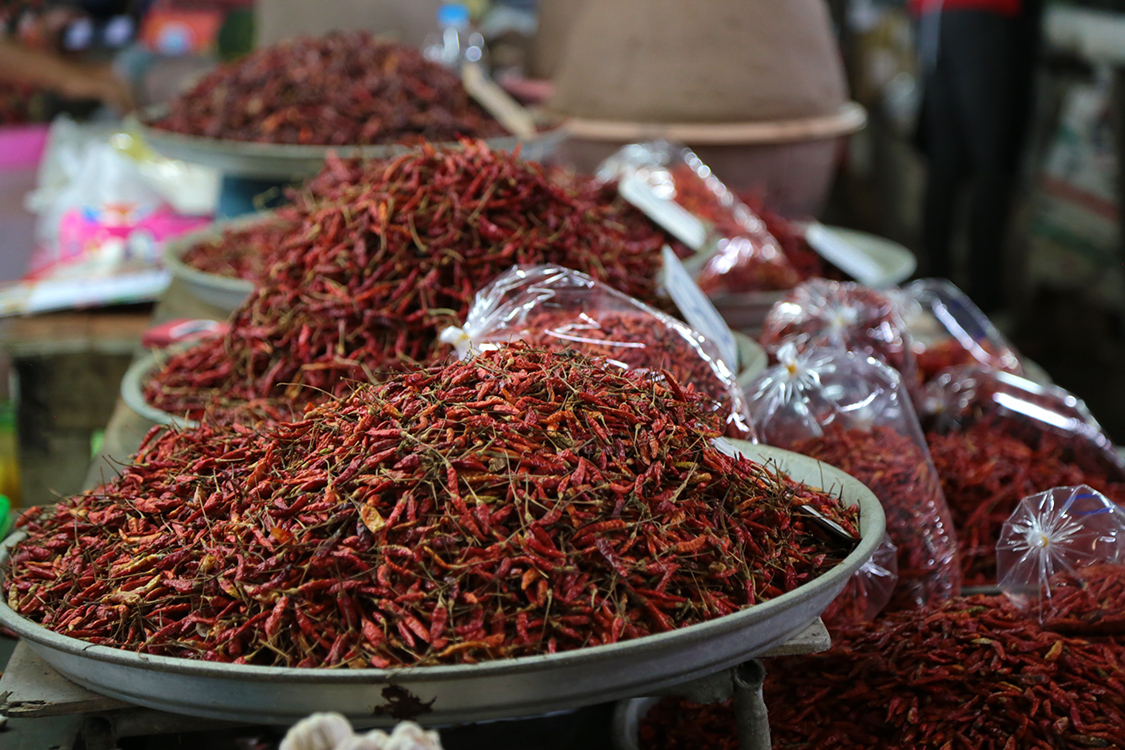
{"points": [[872, 524], [132, 393], [142, 122]]}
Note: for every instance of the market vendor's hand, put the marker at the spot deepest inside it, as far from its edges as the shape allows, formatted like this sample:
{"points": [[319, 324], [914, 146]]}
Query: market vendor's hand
{"points": [[98, 82]]}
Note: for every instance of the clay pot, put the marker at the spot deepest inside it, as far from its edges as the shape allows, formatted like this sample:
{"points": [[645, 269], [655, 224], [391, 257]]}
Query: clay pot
{"points": [[755, 87]]}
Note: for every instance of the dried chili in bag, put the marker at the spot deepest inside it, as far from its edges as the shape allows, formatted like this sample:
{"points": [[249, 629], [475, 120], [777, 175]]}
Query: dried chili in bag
{"points": [[947, 330], [963, 396], [851, 411], [845, 316], [867, 592], [1062, 555], [746, 257], [551, 307]]}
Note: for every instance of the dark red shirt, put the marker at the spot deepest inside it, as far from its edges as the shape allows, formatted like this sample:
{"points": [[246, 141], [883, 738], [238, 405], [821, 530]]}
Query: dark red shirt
{"points": [[1000, 7]]}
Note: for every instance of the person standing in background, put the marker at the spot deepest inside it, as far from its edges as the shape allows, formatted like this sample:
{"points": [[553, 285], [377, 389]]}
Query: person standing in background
{"points": [[978, 62]]}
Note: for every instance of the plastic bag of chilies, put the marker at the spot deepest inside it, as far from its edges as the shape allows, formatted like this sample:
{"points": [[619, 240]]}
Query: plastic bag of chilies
{"points": [[948, 330], [747, 257], [850, 411], [962, 397], [559, 308], [868, 591], [1062, 554], [845, 316]]}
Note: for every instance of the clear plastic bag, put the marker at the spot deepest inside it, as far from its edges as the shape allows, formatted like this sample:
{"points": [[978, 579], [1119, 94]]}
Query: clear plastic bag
{"points": [[555, 307], [868, 591], [1062, 554], [948, 330], [746, 258], [850, 411], [844, 316], [963, 396]]}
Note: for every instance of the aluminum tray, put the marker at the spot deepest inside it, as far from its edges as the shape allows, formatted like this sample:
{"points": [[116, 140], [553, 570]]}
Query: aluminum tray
{"points": [[493, 690], [132, 390], [224, 292], [280, 161]]}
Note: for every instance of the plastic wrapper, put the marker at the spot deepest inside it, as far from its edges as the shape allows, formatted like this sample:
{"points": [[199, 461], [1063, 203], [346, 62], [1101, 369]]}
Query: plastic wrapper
{"points": [[1062, 555], [844, 316], [868, 591], [851, 411], [963, 396], [747, 257], [559, 308], [948, 330], [333, 731]]}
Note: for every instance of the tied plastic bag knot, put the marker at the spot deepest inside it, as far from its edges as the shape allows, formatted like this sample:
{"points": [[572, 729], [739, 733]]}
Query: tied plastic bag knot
{"points": [[461, 342], [1062, 553]]}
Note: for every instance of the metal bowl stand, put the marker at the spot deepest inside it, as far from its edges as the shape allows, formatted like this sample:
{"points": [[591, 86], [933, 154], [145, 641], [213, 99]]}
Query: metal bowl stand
{"points": [[31, 689]]}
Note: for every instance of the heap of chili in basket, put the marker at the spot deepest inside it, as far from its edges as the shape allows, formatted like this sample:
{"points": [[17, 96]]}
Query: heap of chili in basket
{"points": [[239, 253], [522, 502], [897, 470], [343, 89], [973, 673], [388, 254], [988, 466]]}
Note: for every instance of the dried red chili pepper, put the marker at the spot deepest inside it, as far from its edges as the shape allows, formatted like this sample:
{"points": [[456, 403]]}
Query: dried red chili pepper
{"points": [[987, 467], [1087, 601], [973, 673], [239, 253], [387, 255], [791, 237], [896, 469], [523, 502], [343, 89]]}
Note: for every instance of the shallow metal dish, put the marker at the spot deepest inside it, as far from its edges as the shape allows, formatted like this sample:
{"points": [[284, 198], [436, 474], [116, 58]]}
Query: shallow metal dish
{"points": [[224, 292], [503, 689], [281, 161], [132, 390]]}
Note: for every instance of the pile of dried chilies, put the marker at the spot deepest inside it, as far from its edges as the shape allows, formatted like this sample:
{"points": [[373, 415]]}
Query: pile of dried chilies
{"points": [[342, 89], [522, 502], [389, 253], [972, 673], [239, 253]]}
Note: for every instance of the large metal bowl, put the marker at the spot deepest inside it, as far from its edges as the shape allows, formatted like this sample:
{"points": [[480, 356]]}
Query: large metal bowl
{"points": [[281, 161], [502, 689], [224, 292], [133, 386]]}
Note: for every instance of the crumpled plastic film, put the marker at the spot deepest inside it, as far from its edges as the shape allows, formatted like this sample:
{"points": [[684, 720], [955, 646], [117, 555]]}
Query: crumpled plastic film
{"points": [[559, 308], [1062, 555], [947, 330], [844, 316]]}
